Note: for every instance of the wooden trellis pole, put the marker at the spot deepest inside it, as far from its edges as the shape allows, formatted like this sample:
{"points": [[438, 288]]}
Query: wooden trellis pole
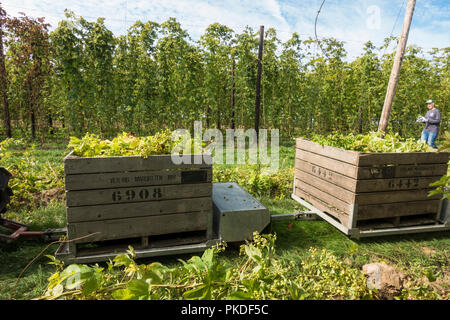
{"points": [[395, 73], [258, 78]]}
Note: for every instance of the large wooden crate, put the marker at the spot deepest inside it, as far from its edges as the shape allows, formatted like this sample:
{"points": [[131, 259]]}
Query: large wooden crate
{"points": [[120, 200], [364, 191]]}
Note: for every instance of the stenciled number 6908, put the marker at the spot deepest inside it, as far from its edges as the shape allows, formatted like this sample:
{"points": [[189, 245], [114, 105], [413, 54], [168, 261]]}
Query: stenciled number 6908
{"points": [[142, 194]]}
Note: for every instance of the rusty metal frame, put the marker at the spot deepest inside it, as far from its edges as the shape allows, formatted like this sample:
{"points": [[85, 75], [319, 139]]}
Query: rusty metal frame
{"points": [[21, 232]]}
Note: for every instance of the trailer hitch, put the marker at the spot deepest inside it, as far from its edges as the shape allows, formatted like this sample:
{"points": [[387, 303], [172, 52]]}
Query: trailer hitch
{"points": [[21, 232]]}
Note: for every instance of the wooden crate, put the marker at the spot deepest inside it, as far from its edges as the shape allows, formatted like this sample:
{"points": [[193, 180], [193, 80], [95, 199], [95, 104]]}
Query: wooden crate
{"points": [[369, 190], [121, 199]]}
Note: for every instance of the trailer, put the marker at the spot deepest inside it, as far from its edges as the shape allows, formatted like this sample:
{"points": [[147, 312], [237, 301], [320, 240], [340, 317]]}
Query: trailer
{"points": [[161, 208]]}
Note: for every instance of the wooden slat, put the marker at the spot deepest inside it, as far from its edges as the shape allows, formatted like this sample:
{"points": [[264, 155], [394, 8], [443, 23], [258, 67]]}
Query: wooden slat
{"points": [[178, 239], [347, 156], [374, 185], [393, 196], [325, 197], [138, 227], [325, 174], [77, 165], [379, 172], [400, 223], [417, 220], [325, 162], [326, 186], [137, 194], [322, 206], [371, 185], [387, 210], [132, 179], [402, 171], [138, 209], [370, 159]]}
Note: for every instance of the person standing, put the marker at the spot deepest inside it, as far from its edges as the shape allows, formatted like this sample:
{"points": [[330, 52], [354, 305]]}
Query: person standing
{"points": [[432, 121]]}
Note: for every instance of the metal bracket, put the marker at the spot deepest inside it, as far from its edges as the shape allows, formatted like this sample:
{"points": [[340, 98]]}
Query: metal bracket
{"points": [[299, 216], [50, 235]]}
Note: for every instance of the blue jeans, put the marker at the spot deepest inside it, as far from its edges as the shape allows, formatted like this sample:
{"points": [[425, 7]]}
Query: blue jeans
{"points": [[429, 138]]}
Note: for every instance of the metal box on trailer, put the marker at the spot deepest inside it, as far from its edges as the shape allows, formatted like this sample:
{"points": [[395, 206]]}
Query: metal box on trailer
{"points": [[237, 214]]}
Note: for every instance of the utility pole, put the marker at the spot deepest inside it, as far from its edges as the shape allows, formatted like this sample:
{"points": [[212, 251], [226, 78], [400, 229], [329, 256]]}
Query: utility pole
{"points": [[395, 73], [258, 78]]}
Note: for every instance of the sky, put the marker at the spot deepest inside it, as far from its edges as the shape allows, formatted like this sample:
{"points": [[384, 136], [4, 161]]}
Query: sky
{"points": [[354, 22]]}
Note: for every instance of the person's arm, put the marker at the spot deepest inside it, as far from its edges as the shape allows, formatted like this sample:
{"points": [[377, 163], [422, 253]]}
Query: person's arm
{"points": [[436, 119]]}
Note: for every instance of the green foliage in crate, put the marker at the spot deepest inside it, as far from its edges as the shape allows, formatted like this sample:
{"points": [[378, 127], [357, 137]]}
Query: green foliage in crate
{"points": [[124, 144], [372, 142]]}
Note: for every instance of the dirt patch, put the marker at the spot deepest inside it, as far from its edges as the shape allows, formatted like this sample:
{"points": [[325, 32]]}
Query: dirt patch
{"points": [[43, 198], [388, 280], [428, 251]]}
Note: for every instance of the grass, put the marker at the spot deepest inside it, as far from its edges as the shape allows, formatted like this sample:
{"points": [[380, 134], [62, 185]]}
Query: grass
{"points": [[293, 241], [414, 254], [295, 238], [16, 256]]}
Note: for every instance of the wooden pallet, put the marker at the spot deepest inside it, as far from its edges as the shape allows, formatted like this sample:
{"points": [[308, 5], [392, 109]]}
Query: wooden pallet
{"points": [[144, 247], [129, 198], [360, 189], [385, 227]]}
